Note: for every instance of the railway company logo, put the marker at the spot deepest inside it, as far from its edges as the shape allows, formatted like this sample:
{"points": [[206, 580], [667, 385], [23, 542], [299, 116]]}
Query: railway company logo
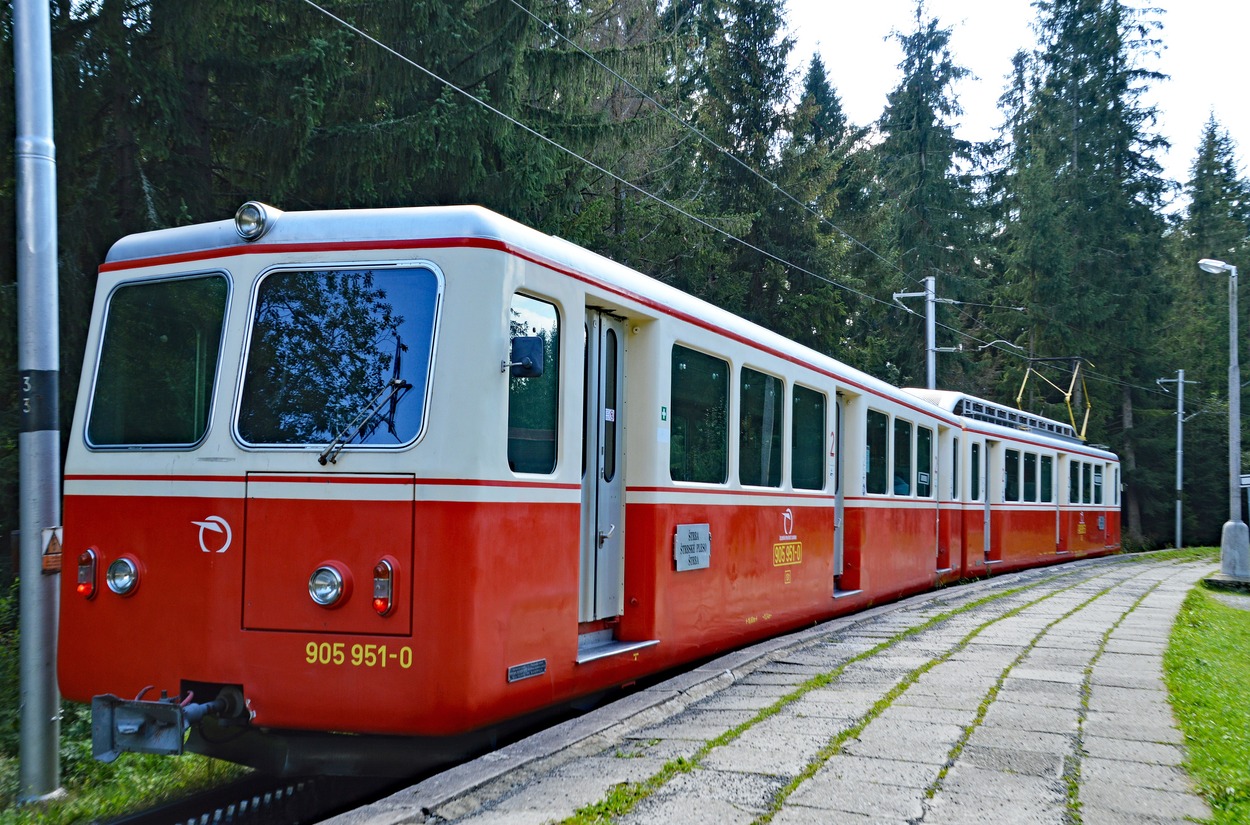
{"points": [[788, 550], [214, 524]]}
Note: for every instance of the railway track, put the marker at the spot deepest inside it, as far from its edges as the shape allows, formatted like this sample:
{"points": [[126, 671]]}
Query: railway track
{"points": [[261, 800]]}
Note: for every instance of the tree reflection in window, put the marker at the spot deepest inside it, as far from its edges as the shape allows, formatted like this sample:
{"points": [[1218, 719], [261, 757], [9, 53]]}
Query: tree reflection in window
{"points": [[324, 345]]}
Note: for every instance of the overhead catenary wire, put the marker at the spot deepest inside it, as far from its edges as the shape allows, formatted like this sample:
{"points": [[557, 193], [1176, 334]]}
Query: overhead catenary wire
{"points": [[990, 343], [583, 159], [630, 184]]}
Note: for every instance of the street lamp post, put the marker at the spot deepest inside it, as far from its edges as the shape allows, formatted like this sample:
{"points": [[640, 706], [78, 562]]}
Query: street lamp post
{"points": [[1235, 540]]}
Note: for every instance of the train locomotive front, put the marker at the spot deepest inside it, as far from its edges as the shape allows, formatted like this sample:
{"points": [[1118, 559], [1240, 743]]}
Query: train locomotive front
{"points": [[297, 502]]}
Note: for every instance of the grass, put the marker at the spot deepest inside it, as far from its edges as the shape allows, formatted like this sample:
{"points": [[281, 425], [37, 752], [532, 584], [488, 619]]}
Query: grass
{"points": [[93, 789], [1207, 668]]}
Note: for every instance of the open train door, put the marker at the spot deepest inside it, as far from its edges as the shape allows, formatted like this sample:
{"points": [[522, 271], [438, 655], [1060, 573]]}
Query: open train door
{"points": [[602, 559], [603, 476]]}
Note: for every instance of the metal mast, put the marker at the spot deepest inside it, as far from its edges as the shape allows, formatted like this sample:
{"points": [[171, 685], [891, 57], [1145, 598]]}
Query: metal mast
{"points": [[39, 436]]}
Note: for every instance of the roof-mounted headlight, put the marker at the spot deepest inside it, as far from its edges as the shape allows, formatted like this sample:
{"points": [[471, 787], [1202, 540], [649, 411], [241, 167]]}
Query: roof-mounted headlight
{"points": [[252, 220]]}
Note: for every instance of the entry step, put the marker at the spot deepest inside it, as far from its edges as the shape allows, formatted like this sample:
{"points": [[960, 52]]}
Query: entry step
{"points": [[601, 644]]}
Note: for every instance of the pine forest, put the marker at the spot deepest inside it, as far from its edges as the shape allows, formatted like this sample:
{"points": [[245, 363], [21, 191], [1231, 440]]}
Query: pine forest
{"points": [[686, 139]]}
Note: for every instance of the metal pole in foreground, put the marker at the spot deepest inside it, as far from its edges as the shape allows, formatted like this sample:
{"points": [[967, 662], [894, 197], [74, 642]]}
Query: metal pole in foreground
{"points": [[1235, 539], [39, 438]]}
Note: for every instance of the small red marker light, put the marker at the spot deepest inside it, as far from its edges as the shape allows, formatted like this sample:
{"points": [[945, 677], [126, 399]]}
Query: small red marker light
{"points": [[383, 587], [86, 573]]}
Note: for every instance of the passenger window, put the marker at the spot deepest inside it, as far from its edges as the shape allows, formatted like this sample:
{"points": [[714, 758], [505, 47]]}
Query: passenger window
{"points": [[974, 471], [1087, 486], [924, 462], [955, 491], [875, 458], [1098, 484], [1047, 488], [902, 457], [1030, 476], [807, 450], [759, 429], [533, 403], [1011, 472], [1074, 482], [699, 441]]}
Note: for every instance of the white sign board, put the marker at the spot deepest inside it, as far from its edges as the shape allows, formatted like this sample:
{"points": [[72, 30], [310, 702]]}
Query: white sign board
{"points": [[692, 546]]}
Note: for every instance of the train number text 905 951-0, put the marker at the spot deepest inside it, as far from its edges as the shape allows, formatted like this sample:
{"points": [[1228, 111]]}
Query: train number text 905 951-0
{"points": [[357, 655]]}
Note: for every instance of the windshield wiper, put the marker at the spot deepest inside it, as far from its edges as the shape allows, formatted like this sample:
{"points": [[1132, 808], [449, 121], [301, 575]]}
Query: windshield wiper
{"points": [[391, 389]]}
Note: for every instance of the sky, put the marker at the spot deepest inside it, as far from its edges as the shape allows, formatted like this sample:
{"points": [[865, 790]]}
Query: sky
{"points": [[862, 62]]}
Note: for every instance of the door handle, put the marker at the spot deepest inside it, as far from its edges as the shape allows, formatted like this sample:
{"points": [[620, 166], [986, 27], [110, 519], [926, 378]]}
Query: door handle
{"points": [[605, 536]]}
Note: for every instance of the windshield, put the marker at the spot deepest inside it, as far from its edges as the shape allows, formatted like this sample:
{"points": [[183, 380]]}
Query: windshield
{"points": [[158, 363], [325, 343]]}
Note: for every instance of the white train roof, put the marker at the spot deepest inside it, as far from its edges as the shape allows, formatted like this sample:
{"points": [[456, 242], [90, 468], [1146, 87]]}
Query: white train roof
{"points": [[353, 228]]}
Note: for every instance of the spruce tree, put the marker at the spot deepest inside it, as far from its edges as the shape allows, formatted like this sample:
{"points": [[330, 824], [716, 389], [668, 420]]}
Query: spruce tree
{"points": [[1090, 179], [1194, 333], [924, 184]]}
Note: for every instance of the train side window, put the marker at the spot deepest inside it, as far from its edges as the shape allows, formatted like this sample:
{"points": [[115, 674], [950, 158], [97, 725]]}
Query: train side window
{"points": [[902, 457], [1030, 476], [1047, 486], [761, 415], [1087, 485], [807, 439], [974, 472], [699, 441], [1098, 484], [924, 462], [1074, 482], [1011, 476], [955, 492], [158, 363], [877, 477], [533, 403]]}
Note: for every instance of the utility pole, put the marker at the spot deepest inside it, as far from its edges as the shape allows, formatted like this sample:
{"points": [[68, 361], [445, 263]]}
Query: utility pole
{"points": [[930, 326], [1180, 383], [38, 374]]}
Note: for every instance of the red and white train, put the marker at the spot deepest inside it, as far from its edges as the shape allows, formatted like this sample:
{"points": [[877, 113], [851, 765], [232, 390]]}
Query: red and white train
{"points": [[350, 486]]}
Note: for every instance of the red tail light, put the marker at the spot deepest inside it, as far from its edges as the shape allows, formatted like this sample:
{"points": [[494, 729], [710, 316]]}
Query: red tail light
{"points": [[87, 562], [384, 587]]}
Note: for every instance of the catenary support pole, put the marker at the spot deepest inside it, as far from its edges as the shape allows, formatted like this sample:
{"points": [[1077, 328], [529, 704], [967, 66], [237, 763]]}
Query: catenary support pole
{"points": [[39, 437], [1180, 383], [930, 326]]}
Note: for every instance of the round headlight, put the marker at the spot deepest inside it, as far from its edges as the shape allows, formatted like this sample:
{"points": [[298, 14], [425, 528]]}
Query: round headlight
{"points": [[250, 221], [325, 586], [122, 577]]}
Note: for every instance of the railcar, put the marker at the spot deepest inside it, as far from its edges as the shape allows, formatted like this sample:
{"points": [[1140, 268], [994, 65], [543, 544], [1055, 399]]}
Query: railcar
{"points": [[347, 488]]}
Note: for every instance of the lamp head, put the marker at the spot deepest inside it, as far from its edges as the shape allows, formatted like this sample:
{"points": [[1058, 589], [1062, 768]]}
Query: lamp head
{"points": [[1213, 266]]}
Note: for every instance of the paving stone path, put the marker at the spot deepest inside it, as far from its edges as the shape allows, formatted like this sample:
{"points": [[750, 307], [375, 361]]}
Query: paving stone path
{"points": [[1028, 698]]}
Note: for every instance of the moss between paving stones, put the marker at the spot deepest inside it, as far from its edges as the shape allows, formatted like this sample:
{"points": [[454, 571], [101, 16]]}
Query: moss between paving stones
{"points": [[625, 797]]}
